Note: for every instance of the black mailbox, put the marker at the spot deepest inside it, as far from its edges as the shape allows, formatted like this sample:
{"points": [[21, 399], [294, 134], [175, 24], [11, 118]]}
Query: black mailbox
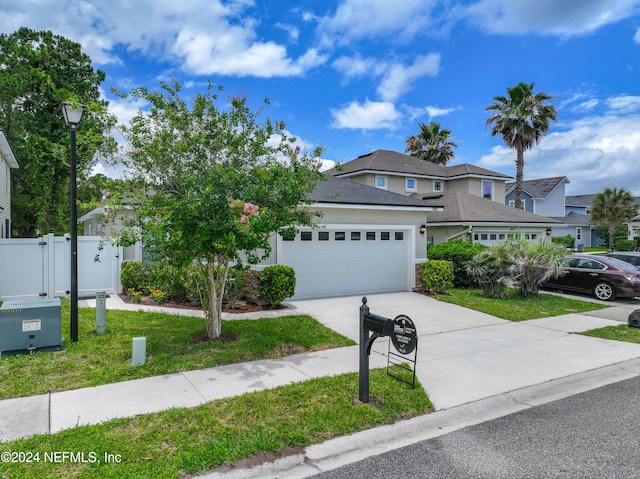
{"points": [[378, 324]]}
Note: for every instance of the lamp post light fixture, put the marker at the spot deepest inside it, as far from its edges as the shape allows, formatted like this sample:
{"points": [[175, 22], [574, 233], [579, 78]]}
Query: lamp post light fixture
{"points": [[73, 116]]}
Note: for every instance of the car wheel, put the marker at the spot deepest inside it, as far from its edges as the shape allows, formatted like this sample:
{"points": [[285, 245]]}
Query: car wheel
{"points": [[604, 291]]}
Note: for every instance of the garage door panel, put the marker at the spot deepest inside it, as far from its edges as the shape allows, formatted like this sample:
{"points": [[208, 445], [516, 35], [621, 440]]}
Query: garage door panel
{"points": [[338, 268]]}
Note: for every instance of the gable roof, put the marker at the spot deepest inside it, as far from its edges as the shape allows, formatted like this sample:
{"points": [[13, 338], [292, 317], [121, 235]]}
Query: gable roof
{"points": [[540, 188], [393, 162], [6, 153], [575, 219], [465, 208], [342, 191]]}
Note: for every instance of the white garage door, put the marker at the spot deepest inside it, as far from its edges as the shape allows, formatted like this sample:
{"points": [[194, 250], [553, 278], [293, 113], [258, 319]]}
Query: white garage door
{"points": [[340, 262]]}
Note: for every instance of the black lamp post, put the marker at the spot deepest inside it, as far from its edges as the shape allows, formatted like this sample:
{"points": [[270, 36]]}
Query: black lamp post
{"points": [[73, 116]]}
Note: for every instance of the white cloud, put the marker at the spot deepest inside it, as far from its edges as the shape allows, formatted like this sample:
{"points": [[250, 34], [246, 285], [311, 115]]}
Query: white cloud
{"points": [[357, 19], [548, 17], [624, 104], [398, 79], [231, 53], [200, 36], [353, 67], [368, 116], [593, 152]]}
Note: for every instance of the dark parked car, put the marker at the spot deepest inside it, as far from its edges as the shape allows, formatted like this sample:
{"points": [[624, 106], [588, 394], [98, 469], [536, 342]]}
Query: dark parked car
{"points": [[632, 257], [602, 276]]}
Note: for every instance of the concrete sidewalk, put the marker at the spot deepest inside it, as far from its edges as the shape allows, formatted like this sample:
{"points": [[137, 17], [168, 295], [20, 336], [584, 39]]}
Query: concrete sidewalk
{"points": [[473, 366]]}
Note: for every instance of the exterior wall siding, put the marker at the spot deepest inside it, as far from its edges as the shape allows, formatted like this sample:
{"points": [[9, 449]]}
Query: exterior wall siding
{"points": [[5, 198]]}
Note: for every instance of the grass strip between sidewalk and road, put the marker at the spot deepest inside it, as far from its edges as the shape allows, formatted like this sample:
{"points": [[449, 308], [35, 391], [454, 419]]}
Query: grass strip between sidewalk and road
{"points": [[623, 332], [177, 442], [516, 307], [103, 359]]}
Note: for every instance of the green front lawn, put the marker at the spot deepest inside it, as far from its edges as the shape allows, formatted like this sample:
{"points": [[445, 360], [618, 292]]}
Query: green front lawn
{"points": [[177, 442], [95, 360], [515, 307]]}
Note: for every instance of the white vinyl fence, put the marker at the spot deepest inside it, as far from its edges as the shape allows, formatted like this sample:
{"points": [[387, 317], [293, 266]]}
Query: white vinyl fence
{"points": [[41, 267]]}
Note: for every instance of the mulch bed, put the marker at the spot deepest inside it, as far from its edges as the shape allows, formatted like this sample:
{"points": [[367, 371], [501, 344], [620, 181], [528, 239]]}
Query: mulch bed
{"points": [[225, 337], [238, 308]]}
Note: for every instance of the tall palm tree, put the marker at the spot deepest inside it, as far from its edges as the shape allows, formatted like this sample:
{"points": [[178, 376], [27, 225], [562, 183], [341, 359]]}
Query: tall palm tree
{"points": [[431, 144], [521, 119], [612, 207]]}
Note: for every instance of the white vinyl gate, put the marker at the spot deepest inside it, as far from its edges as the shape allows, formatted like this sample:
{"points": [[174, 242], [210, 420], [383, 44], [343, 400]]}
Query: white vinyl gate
{"points": [[41, 267]]}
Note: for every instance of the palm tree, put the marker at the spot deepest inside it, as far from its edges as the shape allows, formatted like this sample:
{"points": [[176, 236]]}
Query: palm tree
{"points": [[612, 207], [521, 119], [431, 144]]}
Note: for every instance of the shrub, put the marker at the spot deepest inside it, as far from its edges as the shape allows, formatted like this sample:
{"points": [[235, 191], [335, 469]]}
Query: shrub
{"points": [[158, 295], [277, 283], [625, 245], [195, 285], [437, 275], [133, 275], [491, 271], [135, 296], [459, 253], [567, 241], [236, 284]]}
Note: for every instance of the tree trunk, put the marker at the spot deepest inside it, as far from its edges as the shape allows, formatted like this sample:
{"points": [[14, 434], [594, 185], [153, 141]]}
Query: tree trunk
{"points": [[519, 176], [217, 275]]}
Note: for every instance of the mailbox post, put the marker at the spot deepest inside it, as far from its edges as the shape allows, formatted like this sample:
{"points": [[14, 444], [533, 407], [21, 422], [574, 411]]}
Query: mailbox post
{"points": [[379, 326]]}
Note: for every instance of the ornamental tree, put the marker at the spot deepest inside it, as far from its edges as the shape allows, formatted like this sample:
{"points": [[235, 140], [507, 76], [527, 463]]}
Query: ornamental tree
{"points": [[214, 184]]}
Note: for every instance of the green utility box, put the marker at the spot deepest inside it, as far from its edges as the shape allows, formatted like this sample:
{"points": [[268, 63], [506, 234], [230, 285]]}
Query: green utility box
{"points": [[29, 326]]}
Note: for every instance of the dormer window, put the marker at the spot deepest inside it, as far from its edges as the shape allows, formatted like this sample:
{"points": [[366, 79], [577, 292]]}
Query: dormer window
{"points": [[487, 190], [381, 182], [437, 185], [410, 184]]}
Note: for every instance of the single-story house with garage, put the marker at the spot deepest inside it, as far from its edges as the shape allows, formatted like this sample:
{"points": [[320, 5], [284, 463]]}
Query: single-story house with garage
{"points": [[379, 213]]}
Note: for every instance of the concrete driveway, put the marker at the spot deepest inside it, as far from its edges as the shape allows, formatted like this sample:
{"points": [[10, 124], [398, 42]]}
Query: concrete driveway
{"points": [[464, 355]]}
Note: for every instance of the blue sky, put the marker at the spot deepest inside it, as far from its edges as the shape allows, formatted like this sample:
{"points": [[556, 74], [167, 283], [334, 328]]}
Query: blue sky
{"points": [[358, 75]]}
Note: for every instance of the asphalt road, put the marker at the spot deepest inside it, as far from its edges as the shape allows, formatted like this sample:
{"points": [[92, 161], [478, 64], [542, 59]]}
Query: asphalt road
{"points": [[590, 435]]}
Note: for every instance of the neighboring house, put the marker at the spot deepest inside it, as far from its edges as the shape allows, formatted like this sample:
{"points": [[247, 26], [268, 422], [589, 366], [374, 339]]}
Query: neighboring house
{"points": [[95, 225], [7, 162], [546, 196], [473, 198], [581, 205]]}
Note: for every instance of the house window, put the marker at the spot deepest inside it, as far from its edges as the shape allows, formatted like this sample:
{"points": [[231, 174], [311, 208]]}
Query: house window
{"points": [[487, 190], [578, 233], [437, 185], [306, 236], [512, 204], [384, 235], [410, 184], [381, 182], [371, 235], [399, 235], [323, 236], [355, 236], [339, 236]]}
